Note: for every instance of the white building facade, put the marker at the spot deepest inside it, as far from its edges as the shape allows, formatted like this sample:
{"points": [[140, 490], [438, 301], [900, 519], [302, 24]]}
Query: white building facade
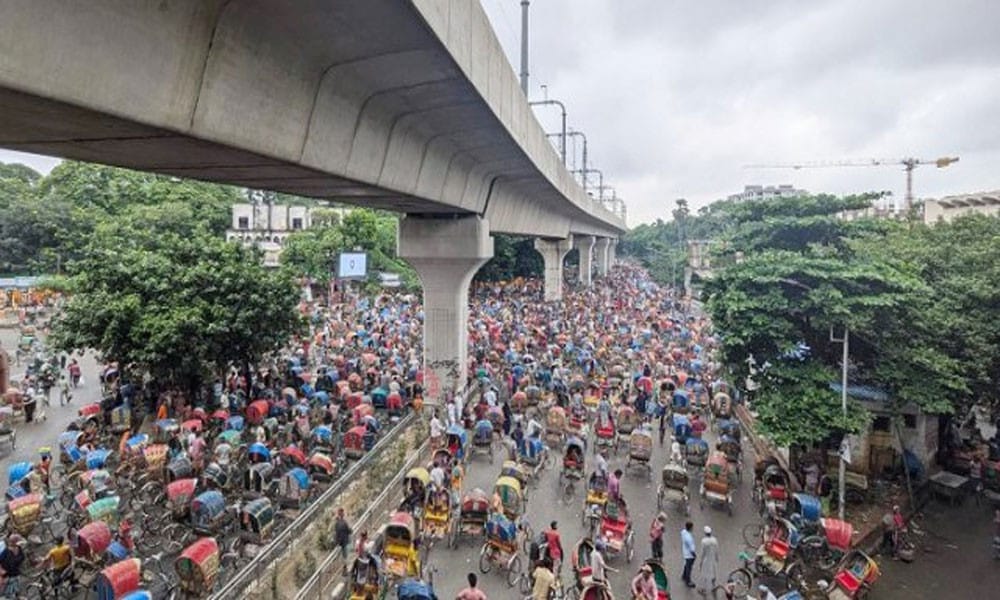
{"points": [[753, 193], [949, 207], [267, 226]]}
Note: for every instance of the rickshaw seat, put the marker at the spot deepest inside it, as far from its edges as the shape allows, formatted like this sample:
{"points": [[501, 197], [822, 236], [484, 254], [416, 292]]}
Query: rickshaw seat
{"points": [[615, 526], [778, 493], [848, 580], [777, 549]]}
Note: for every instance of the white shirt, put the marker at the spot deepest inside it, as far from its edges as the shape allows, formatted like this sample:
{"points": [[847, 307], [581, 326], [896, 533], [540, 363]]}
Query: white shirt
{"points": [[437, 427], [453, 414], [437, 477], [602, 465], [597, 565]]}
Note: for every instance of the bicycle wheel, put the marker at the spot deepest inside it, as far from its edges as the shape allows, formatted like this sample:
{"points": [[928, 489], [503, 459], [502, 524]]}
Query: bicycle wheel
{"points": [[513, 570], [485, 559], [753, 534], [743, 581]]}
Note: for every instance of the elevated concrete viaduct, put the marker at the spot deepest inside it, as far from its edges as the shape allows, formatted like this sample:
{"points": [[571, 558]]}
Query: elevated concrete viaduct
{"points": [[407, 105]]}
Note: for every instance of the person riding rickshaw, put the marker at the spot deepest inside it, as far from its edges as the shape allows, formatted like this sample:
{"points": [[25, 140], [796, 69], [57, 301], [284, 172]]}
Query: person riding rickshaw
{"points": [[482, 439], [415, 485], [730, 446], [531, 452], [573, 465], [399, 548], [616, 529], [501, 549], [595, 500], [437, 519], [508, 490], [367, 581], [197, 568], [715, 485], [673, 487], [456, 441]]}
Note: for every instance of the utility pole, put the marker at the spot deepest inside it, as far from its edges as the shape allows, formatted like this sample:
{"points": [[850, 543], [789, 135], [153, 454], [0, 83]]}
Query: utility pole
{"points": [[844, 446], [575, 133], [562, 136], [524, 47]]}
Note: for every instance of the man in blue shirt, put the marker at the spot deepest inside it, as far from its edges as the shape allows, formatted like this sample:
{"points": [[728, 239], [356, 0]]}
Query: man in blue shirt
{"points": [[688, 552]]}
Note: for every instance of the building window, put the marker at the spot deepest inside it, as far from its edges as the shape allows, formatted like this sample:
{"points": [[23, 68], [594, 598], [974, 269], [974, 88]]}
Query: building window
{"points": [[244, 223], [881, 424], [910, 421], [296, 223]]}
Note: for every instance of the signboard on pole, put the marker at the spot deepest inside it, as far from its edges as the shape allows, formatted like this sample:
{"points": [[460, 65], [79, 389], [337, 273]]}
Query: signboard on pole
{"points": [[352, 265]]}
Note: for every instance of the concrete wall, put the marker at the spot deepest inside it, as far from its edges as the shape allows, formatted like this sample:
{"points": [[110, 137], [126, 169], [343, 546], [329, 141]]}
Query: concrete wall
{"points": [[384, 103]]}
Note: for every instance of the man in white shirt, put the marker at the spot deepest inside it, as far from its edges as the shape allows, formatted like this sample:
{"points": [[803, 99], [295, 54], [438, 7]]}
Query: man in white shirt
{"points": [[437, 427], [598, 565], [437, 477], [454, 414]]}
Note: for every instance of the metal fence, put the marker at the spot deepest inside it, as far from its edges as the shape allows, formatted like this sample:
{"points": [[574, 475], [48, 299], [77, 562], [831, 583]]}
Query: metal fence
{"points": [[286, 542], [328, 573]]}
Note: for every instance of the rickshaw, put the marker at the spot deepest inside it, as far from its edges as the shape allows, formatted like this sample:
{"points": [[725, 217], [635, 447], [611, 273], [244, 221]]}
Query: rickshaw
{"points": [[626, 421], [437, 521], [722, 406], [475, 510], [293, 488], [256, 521], [235, 423], [164, 430], [179, 494], [366, 581], [322, 438], [179, 468], [580, 561], [519, 472], [294, 456], [858, 572], [696, 454], [154, 458], [616, 529], [826, 548], [606, 434], [531, 453], [573, 465], [106, 509], [413, 589], [257, 480], [596, 591], [25, 513], [119, 579], [500, 548], [192, 426], [133, 447], [197, 567], [215, 477], [508, 490], [321, 467], [120, 419], [640, 450], [680, 401], [673, 487], [482, 439], [92, 541], [494, 415], [69, 451], [734, 454], [233, 437], [415, 485], [258, 453], [555, 426], [355, 444], [772, 489], [399, 551], [659, 578], [715, 485], [805, 511], [257, 411], [780, 542], [217, 420], [730, 427], [456, 441], [594, 501], [208, 513], [519, 402]]}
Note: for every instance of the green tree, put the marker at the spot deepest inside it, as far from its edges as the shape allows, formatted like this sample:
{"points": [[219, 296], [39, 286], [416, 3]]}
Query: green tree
{"points": [[180, 305]]}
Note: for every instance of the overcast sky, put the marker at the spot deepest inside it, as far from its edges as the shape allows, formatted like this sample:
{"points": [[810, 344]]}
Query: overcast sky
{"points": [[676, 96]]}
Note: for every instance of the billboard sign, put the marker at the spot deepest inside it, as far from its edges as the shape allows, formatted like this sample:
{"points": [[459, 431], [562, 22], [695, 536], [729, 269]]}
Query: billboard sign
{"points": [[352, 265]]}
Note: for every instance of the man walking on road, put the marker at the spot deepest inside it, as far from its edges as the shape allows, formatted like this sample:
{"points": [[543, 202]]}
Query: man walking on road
{"points": [[342, 536], [472, 592], [656, 536], [709, 564], [687, 551]]}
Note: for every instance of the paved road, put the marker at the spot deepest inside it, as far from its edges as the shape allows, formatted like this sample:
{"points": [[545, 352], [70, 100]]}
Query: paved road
{"points": [[31, 436], [545, 505], [954, 557]]}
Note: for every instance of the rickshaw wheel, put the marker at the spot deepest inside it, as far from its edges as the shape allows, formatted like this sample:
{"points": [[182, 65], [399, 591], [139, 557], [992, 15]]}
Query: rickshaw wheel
{"points": [[753, 534], [513, 570], [742, 579], [485, 560]]}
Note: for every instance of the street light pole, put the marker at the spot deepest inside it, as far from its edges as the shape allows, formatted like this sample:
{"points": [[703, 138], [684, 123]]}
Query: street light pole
{"points": [[575, 133], [562, 136], [524, 47], [842, 474]]}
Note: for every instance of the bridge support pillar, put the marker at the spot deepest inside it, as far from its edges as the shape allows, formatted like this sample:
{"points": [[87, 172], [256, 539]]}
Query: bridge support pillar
{"points": [[603, 254], [585, 244], [446, 253], [612, 253], [553, 252]]}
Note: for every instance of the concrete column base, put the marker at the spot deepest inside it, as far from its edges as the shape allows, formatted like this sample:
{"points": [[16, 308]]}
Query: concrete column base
{"points": [[602, 254], [585, 244], [612, 253], [553, 252], [446, 253]]}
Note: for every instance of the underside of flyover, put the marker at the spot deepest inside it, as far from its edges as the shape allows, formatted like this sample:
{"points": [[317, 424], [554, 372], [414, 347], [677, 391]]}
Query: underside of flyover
{"points": [[403, 105]]}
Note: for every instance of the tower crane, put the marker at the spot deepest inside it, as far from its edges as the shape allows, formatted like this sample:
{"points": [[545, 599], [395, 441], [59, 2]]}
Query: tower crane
{"points": [[908, 164]]}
